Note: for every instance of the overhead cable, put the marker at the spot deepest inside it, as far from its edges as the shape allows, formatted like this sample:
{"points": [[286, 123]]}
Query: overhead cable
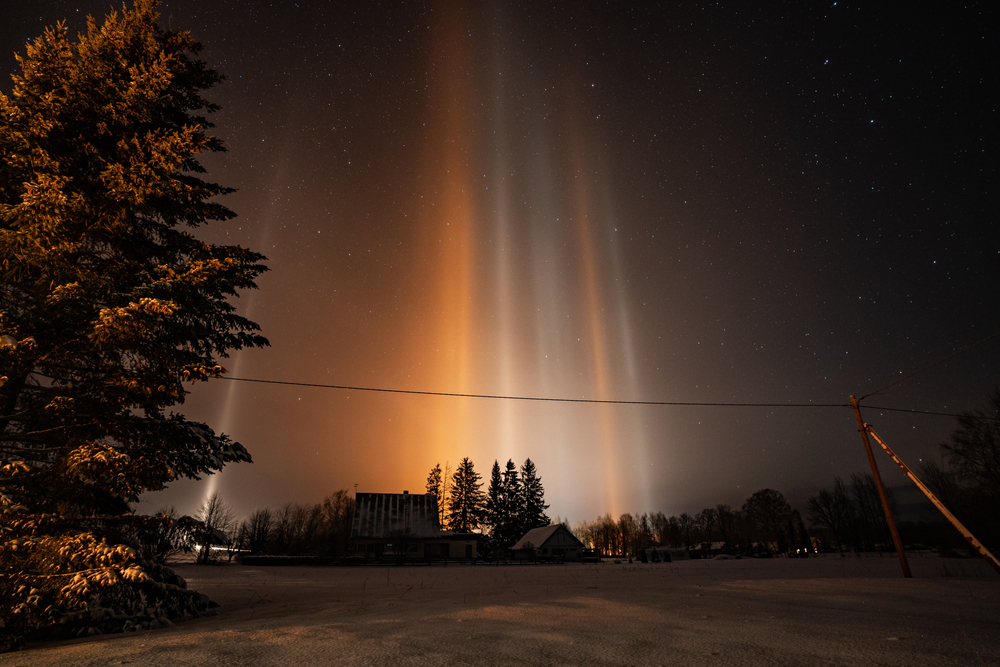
{"points": [[540, 398], [552, 399], [926, 368]]}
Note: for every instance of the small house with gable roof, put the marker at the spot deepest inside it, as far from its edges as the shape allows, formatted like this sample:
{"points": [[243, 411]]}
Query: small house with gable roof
{"points": [[549, 542]]}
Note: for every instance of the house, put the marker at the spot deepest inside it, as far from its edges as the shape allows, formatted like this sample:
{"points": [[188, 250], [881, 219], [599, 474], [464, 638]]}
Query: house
{"points": [[405, 526], [547, 542]]}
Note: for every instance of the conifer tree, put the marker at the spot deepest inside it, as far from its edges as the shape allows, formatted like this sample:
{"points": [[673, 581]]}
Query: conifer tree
{"points": [[494, 501], [513, 500], [533, 503], [108, 305], [434, 486], [466, 503]]}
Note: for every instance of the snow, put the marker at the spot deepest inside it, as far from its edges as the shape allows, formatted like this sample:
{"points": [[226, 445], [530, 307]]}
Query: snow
{"points": [[823, 610]]}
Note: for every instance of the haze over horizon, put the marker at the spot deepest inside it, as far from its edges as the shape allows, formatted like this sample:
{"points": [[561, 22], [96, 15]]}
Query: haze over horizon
{"points": [[685, 202]]}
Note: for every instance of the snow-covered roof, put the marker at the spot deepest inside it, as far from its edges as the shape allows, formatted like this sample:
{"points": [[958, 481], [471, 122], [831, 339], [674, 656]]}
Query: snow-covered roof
{"points": [[537, 537]]}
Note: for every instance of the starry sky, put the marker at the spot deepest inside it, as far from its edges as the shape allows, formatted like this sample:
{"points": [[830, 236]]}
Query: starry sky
{"points": [[771, 203]]}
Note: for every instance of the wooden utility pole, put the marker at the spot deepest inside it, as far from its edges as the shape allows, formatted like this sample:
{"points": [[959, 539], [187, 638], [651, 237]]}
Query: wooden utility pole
{"points": [[976, 544], [863, 428]]}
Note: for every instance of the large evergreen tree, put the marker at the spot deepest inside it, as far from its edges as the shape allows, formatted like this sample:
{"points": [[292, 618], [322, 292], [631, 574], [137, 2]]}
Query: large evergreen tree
{"points": [[504, 502], [466, 502], [108, 305], [493, 507], [532, 506], [513, 503]]}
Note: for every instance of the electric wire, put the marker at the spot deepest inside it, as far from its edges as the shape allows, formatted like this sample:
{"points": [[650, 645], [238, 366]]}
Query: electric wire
{"points": [[927, 368], [932, 413], [551, 399]]}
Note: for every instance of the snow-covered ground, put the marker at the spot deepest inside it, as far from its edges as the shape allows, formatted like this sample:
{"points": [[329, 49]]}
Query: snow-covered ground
{"points": [[817, 611]]}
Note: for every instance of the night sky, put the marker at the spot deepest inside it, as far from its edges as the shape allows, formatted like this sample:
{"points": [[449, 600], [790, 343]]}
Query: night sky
{"points": [[675, 202]]}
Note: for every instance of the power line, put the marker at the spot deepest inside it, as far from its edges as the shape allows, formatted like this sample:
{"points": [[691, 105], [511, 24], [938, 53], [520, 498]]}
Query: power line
{"points": [[927, 412], [551, 399], [926, 368], [540, 398]]}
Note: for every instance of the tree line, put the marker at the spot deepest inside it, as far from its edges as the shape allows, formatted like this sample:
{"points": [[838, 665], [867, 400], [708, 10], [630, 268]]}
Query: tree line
{"points": [[848, 518], [765, 523], [513, 504], [320, 529]]}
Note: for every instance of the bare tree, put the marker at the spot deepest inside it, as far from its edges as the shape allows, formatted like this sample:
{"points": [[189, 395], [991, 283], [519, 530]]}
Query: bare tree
{"points": [[644, 534], [943, 482], [219, 523], [974, 448], [583, 531], [238, 541], [970, 483], [707, 521], [660, 528], [674, 531], [338, 514], [281, 536], [627, 533], [611, 535], [725, 517], [687, 526], [831, 510], [296, 528], [257, 530], [768, 510], [311, 532], [871, 528]]}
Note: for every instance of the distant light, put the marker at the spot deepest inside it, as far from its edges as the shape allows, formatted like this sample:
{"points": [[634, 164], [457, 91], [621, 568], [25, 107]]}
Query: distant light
{"points": [[6, 340]]}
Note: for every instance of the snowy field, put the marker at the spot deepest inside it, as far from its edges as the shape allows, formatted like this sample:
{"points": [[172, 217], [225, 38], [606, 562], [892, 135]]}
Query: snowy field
{"points": [[817, 611]]}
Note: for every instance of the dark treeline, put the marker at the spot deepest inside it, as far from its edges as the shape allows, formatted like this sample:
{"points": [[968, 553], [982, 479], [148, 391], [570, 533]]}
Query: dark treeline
{"points": [[765, 523], [850, 517], [321, 529]]}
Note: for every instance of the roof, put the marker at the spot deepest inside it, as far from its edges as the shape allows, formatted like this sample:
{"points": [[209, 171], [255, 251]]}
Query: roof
{"points": [[537, 537], [396, 515]]}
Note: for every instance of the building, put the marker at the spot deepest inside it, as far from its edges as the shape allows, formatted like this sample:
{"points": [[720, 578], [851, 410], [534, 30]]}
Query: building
{"points": [[555, 541], [403, 526]]}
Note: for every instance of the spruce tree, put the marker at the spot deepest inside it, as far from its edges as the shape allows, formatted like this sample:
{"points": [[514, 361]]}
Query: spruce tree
{"points": [[434, 487], [108, 305], [533, 505], [466, 505], [493, 507], [511, 528]]}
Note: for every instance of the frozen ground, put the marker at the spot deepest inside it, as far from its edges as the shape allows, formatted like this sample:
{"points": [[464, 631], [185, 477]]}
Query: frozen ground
{"points": [[816, 611]]}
